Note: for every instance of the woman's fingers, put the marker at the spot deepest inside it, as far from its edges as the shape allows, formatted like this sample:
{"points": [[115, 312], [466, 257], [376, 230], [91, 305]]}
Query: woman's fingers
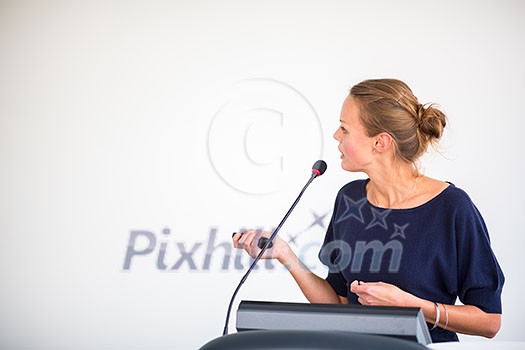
{"points": [[235, 238], [252, 241], [246, 239]]}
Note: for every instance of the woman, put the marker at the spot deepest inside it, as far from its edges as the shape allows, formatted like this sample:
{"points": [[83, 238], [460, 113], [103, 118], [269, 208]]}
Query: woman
{"points": [[399, 238]]}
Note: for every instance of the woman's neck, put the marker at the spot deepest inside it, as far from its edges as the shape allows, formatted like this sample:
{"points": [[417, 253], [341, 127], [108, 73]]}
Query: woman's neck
{"points": [[392, 186]]}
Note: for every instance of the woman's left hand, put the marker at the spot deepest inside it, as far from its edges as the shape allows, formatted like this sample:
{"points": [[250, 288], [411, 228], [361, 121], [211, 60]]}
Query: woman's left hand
{"points": [[380, 293]]}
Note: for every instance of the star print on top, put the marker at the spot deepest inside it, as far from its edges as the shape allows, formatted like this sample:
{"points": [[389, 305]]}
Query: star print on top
{"points": [[439, 251]]}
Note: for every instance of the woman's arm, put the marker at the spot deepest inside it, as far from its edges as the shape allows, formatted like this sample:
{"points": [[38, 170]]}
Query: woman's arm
{"points": [[314, 288], [466, 319]]}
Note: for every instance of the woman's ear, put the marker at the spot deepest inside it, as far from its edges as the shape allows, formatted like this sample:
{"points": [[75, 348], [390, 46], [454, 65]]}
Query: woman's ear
{"points": [[383, 142]]}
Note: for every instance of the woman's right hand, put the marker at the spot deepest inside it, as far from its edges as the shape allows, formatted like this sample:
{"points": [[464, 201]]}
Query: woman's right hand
{"points": [[248, 240], [316, 289]]}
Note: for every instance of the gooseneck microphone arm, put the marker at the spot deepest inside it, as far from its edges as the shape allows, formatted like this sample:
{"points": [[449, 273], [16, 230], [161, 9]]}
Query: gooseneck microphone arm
{"points": [[317, 170]]}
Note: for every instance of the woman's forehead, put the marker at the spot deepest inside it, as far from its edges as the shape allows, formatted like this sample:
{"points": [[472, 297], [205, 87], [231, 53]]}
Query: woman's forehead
{"points": [[349, 112]]}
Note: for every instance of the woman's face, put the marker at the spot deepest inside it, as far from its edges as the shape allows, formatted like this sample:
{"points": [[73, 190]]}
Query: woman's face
{"points": [[355, 146]]}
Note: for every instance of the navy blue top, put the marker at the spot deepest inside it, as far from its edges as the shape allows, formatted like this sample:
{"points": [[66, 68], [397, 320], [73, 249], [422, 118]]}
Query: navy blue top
{"points": [[438, 251]]}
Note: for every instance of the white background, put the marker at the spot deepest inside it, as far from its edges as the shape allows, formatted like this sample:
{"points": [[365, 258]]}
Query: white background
{"points": [[111, 121]]}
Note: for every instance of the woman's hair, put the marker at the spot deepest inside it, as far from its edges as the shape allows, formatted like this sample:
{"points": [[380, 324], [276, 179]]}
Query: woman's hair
{"points": [[388, 105]]}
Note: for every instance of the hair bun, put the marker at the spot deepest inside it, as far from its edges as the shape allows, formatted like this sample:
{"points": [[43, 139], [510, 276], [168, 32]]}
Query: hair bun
{"points": [[431, 121], [388, 105]]}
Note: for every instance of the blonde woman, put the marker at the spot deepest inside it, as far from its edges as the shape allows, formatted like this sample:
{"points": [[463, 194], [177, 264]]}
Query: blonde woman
{"points": [[399, 238]]}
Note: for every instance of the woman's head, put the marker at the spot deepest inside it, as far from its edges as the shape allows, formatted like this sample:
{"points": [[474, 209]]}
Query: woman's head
{"points": [[389, 106]]}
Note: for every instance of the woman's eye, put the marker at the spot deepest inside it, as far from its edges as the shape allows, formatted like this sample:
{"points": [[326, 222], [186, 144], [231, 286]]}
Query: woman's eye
{"points": [[343, 130]]}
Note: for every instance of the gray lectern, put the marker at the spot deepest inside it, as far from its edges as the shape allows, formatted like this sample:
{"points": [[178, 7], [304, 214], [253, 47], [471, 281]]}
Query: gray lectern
{"points": [[399, 322], [285, 326]]}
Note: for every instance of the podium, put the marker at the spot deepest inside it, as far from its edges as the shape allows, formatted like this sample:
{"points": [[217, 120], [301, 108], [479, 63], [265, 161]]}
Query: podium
{"points": [[308, 340], [274, 325]]}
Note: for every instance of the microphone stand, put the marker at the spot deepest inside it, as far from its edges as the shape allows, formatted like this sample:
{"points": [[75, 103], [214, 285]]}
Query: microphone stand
{"points": [[315, 173]]}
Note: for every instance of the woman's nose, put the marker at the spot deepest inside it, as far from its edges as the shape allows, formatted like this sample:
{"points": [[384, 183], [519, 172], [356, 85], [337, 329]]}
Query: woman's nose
{"points": [[336, 134]]}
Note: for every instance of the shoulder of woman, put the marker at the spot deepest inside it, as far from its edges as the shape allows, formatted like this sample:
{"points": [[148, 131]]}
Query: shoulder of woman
{"points": [[448, 191], [354, 190], [459, 199], [355, 186]]}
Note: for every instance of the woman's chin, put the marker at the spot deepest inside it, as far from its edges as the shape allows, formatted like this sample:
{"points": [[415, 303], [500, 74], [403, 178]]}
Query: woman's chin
{"points": [[348, 167], [345, 165]]}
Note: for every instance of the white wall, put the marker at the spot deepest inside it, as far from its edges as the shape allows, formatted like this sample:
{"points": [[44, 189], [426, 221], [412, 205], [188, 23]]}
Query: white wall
{"points": [[118, 116]]}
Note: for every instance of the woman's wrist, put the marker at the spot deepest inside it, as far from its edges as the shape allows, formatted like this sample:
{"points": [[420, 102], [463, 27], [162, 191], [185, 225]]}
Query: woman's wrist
{"points": [[428, 307], [287, 257], [414, 301]]}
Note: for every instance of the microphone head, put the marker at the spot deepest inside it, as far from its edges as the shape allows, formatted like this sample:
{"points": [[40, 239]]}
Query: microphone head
{"points": [[319, 167]]}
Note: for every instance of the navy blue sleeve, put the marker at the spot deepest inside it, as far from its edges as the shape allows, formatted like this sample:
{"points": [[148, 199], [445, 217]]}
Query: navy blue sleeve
{"points": [[338, 283], [480, 278], [330, 256]]}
